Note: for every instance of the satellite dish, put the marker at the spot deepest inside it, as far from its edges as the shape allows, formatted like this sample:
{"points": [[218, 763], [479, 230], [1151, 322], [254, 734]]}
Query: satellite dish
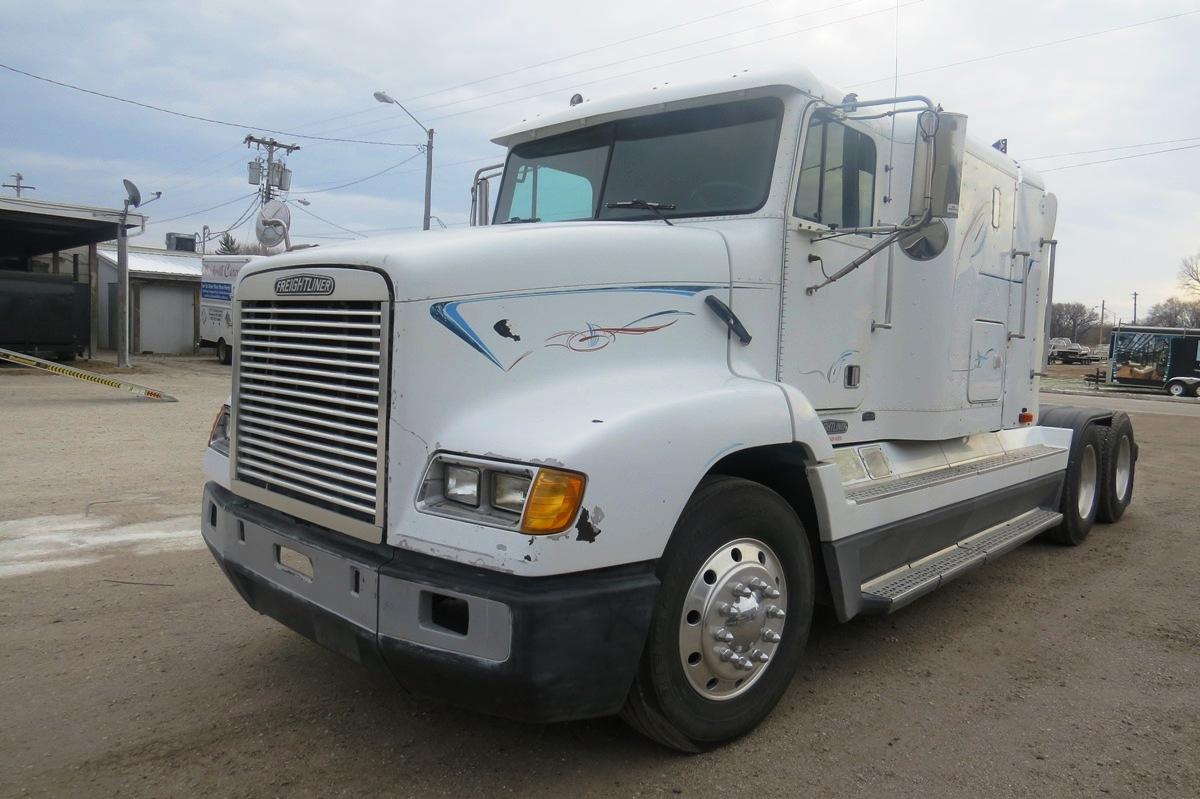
{"points": [[274, 219], [135, 196]]}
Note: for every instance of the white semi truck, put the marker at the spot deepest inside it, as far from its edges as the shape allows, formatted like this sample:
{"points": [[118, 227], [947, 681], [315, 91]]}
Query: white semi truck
{"points": [[724, 351]]}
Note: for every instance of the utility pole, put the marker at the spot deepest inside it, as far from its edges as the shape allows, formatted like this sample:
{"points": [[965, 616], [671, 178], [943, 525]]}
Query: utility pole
{"points": [[1100, 339], [428, 176], [20, 187], [1135, 307], [271, 146]]}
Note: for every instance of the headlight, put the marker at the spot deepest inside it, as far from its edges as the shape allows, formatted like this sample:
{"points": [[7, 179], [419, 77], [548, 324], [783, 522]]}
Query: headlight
{"points": [[509, 491], [218, 437], [462, 485], [532, 499]]}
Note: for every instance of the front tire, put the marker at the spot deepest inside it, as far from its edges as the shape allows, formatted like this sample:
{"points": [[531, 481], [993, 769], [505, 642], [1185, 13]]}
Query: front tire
{"points": [[733, 614], [1176, 389], [1081, 489], [224, 352]]}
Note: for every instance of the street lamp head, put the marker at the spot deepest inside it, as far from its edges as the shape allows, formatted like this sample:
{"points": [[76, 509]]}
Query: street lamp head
{"points": [[384, 97]]}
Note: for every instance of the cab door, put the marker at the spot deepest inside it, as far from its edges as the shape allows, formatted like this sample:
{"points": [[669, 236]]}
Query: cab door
{"points": [[825, 334]]}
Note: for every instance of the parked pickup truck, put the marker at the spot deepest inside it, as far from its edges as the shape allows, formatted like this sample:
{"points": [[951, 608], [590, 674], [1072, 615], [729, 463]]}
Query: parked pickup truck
{"points": [[604, 454], [1063, 350]]}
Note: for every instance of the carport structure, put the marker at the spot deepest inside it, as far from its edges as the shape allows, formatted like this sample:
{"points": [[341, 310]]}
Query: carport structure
{"points": [[35, 234]]}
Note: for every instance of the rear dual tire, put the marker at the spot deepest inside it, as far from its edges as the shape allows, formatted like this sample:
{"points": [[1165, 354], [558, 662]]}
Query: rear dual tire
{"points": [[1081, 489], [736, 598], [1118, 464]]}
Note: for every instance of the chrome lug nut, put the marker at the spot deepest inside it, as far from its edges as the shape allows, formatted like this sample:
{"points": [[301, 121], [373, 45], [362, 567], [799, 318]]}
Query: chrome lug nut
{"points": [[758, 584], [741, 590], [726, 609], [771, 593], [745, 664], [770, 636], [775, 612], [760, 656], [727, 655], [723, 635]]}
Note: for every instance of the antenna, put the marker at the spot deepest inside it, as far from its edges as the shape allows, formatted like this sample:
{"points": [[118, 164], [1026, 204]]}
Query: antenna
{"points": [[135, 197]]}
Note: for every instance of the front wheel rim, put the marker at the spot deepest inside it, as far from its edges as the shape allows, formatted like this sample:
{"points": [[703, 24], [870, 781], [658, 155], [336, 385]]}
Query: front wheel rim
{"points": [[1087, 481], [732, 621]]}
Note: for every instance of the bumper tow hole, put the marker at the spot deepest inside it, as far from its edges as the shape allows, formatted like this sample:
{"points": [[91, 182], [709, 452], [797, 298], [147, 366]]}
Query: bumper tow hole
{"points": [[293, 561], [449, 613]]}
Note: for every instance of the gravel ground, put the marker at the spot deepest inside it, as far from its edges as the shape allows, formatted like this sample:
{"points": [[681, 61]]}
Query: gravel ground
{"points": [[128, 665]]}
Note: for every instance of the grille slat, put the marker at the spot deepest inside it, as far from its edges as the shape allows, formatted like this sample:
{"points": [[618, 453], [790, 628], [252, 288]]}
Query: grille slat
{"points": [[262, 443], [251, 423], [294, 381], [263, 356], [267, 388], [309, 420]]}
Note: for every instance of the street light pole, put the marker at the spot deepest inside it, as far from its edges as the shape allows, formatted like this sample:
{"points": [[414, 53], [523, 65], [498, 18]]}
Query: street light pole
{"points": [[384, 97]]}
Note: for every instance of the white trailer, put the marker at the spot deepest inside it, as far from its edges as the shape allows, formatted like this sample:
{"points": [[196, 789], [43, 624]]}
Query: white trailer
{"points": [[219, 275], [726, 351]]}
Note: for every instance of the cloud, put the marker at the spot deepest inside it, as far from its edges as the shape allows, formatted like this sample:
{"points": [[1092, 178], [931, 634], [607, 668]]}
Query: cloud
{"points": [[1122, 226]]}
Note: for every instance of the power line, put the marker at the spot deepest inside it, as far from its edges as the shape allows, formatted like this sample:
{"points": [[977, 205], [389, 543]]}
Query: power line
{"points": [[359, 180], [1028, 48], [721, 36], [1120, 158], [1110, 149], [196, 117], [210, 208], [591, 50], [326, 221], [890, 9]]}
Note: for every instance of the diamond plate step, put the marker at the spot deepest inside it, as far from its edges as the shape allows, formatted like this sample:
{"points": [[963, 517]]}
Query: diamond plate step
{"points": [[880, 489], [897, 588]]}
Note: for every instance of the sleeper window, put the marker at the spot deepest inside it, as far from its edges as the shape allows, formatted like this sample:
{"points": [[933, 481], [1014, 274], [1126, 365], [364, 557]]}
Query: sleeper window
{"points": [[837, 176]]}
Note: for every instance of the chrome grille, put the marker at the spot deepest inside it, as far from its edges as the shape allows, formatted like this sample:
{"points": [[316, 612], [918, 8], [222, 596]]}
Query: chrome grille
{"points": [[309, 413]]}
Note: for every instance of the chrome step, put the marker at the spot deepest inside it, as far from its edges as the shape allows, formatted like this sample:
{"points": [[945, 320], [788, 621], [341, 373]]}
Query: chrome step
{"points": [[899, 587], [881, 489]]}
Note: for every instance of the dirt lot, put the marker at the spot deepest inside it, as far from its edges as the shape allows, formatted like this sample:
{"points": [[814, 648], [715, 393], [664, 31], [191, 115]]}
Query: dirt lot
{"points": [[128, 666]]}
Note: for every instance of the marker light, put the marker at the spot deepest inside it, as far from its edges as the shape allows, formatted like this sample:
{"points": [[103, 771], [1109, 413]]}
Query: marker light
{"points": [[509, 491], [553, 502], [218, 436], [462, 485]]}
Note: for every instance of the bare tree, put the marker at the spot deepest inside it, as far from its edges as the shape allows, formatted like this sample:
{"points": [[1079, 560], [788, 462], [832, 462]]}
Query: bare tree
{"points": [[1189, 274], [1174, 312], [1071, 320]]}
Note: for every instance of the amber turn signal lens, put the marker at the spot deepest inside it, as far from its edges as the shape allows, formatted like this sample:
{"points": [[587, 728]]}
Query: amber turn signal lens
{"points": [[553, 502]]}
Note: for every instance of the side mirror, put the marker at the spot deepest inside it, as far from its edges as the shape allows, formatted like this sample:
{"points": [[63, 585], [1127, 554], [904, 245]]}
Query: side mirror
{"points": [[937, 165]]}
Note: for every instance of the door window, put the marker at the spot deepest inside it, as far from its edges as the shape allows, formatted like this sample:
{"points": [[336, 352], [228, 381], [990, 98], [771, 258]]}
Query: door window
{"points": [[837, 176]]}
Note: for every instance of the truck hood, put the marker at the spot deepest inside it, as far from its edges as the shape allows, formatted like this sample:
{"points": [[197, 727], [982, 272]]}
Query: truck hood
{"points": [[526, 257]]}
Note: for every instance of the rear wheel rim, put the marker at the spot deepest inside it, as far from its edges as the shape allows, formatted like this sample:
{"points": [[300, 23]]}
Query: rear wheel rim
{"points": [[1088, 474], [1123, 472], [732, 620]]}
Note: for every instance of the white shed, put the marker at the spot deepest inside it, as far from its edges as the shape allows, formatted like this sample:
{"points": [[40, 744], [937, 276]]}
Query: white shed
{"points": [[164, 300]]}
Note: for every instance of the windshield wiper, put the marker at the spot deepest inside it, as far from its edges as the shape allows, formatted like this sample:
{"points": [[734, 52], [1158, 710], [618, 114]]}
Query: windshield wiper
{"points": [[516, 220], [646, 205]]}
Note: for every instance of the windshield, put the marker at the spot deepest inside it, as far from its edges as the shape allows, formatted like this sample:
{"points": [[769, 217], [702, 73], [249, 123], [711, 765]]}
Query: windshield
{"points": [[709, 161]]}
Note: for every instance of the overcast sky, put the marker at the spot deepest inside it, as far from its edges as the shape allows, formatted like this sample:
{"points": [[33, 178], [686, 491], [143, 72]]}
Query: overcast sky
{"points": [[310, 67]]}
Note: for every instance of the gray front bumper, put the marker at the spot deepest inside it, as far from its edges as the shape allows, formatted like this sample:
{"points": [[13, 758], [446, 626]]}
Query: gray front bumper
{"points": [[535, 649]]}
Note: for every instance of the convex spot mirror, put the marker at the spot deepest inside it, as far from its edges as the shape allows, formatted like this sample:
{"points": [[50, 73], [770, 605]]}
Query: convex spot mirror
{"points": [[941, 140]]}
